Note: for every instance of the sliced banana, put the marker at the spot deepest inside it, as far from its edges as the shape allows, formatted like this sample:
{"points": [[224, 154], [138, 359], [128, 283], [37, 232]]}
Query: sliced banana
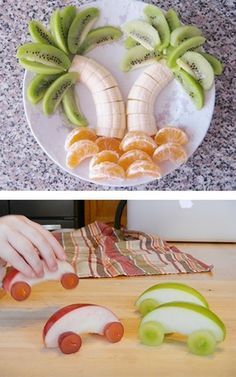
{"points": [[110, 108], [142, 96]]}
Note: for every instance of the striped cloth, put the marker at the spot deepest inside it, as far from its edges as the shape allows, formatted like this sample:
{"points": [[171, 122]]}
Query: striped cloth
{"points": [[98, 250]]}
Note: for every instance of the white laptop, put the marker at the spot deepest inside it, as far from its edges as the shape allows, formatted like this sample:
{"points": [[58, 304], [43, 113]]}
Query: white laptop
{"points": [[190, 221]]}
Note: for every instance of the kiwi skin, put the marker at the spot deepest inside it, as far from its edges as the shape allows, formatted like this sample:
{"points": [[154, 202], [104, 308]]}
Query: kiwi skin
{"points": [[67, 16], [192, 87], [182, 48], [56, 91], [58, 31], [72, 110], [38, 87], [40, 68]]}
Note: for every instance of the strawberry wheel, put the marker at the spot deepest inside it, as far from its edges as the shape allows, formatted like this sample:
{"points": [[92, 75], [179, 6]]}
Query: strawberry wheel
{"points": [[20, 291], [69, 342], [114, 331], [69, 280]]}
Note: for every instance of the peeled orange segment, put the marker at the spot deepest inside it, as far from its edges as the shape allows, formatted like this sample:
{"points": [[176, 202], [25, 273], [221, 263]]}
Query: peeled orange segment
{"points": [[79, 151], [129, 157], [79, 134], [142, 168], [107, 171], [138, 140], [171, 135], [170, 151], [109, 143], [104, 156]]}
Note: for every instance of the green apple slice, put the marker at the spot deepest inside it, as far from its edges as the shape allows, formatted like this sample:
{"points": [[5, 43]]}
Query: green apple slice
{"points": [[167, 292], [185, 318]]}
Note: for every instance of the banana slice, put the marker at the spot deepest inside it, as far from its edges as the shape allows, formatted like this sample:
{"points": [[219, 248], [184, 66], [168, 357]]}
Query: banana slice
{"points": [[138, 107], [142, 122], [111, 132], [109, 95], [110, 108], [139, 94], [111, 121], [98, 83]]}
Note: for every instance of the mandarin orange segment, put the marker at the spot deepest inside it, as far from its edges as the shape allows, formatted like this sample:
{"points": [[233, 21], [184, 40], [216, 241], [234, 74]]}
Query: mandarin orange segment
{"points": [[79, 151], [138, 140], [77, 134], [104, 156], [107, 171], [129, 157], [170, 151], [142, 168], [171, 135], [109, 143]]}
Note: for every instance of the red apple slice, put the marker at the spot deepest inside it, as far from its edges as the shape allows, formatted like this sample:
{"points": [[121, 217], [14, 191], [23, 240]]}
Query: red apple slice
{"points": [[18, 285], [80, 319]]}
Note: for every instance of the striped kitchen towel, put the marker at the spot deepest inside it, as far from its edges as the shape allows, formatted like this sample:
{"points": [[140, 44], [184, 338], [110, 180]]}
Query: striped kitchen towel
{"points": [[99, 250]]}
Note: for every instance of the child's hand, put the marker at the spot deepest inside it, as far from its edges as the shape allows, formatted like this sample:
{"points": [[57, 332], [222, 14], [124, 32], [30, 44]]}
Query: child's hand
{"points": [[22, 242]]}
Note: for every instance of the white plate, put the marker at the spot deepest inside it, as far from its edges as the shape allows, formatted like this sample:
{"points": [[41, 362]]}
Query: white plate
{"points": [[173, 106]]}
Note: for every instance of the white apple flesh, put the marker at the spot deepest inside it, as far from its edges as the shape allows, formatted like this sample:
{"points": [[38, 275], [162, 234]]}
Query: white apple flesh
{"points": [[185, 318], [79, 319]]}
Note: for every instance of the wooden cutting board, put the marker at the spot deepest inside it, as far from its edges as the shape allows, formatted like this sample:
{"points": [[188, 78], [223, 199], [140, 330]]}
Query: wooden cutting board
{"points": [[22, 353]]}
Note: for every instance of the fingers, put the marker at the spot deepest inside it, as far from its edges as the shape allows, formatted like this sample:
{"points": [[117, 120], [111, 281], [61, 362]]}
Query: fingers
{"points": [[57, 248], [27, 250], [14, 259]]}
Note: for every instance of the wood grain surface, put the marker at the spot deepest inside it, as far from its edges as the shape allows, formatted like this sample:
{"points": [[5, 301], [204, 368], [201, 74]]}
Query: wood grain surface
{"points": [[22, 353]]}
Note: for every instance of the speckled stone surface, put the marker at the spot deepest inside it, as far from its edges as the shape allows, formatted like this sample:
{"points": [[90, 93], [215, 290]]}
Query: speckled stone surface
{"points": [[24, 166]]}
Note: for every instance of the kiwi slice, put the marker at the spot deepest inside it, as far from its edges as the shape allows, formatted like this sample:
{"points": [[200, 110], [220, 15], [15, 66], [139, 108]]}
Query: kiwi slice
{"points": [[198, 67], [172, 19], [214, 62], [202, 342], [39, 67], [183, 33], [137, 56], [151, 333], [99, 36], [45, 54], [80, 27], [67, 16], [156, 18], [182, 48], [56, 91], [40, 34], [38, 87], [192, 87], [144, 33], [147, 306], [58, 30], [72, 110], [130, 43]]}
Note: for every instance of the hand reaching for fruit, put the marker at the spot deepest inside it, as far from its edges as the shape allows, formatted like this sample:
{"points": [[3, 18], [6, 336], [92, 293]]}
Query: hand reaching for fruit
{"points": [[26, 245]]}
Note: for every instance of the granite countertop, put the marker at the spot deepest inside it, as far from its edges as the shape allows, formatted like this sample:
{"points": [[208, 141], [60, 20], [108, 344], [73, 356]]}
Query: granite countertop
{"points": [[23, 164]]}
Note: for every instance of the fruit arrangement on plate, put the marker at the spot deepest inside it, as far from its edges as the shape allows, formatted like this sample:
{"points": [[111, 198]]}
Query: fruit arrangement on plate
{"points": [[168, 48]]}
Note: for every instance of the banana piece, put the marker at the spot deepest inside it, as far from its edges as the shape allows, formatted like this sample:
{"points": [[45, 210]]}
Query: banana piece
{"points": [[142, 96], [110, 108]]}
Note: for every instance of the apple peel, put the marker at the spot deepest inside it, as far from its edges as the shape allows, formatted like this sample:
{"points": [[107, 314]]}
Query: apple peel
{"points": [[76, 319]]}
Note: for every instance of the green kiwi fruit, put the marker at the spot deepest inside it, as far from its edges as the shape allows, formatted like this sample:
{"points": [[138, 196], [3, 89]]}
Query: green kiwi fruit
{"points": [[198, 67], [172, 19], [192, 87], [67, 16], [40, 34], [183, 33], [39, 67], [80, 27], [137, 56], [182, 48], [72, 110], [144, 33], [156, 18], [58, 30], [99, 36], [214, 62], [56, 91], [45, 54], [38, 87], [130, 43]]}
